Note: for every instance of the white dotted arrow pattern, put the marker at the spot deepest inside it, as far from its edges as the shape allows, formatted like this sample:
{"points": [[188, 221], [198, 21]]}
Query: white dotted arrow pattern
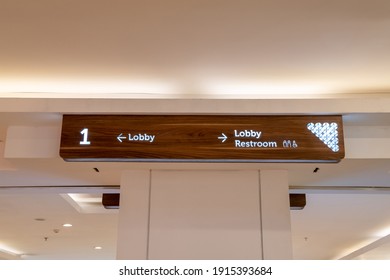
{"points": [[327, 133]]}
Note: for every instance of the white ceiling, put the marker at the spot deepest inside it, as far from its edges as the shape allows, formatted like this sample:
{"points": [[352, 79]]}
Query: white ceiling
{"points": [[195, 47], [334, 224], [31, 239], [101, 51]]}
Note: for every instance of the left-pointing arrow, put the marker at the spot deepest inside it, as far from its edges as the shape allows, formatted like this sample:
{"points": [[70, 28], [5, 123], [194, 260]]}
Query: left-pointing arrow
{"points": [[120, 137]]}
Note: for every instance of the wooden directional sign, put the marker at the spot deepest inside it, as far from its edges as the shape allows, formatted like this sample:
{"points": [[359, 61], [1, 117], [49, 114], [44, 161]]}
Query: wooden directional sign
{"points": [[228, 138]]}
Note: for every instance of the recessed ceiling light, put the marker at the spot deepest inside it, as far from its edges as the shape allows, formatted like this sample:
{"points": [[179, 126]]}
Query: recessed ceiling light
{"points": [[40, 219], [98, 248], [67, 225]]}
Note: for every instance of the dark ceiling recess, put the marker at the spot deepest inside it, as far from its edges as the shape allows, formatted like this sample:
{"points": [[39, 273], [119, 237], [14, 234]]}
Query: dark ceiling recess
{"points": [[297, 201], [111, 201]]}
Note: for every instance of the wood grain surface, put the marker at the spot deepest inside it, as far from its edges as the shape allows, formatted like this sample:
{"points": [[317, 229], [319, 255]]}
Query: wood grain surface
{"points": [[197, 138]]}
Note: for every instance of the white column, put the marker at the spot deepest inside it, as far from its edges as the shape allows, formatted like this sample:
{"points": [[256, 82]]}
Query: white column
{"points": [[275, 215], [133, 223], [205, 215]]}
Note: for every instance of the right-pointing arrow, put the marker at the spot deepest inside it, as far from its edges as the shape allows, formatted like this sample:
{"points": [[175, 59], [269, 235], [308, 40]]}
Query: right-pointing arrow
{"points": [[223, 137]]}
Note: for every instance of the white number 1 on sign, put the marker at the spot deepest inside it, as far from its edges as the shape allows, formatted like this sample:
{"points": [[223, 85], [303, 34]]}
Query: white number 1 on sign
{"points": [[85, 141]]}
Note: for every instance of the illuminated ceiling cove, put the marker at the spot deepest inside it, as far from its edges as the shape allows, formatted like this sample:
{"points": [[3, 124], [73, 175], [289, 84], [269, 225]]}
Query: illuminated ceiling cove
{"points": [[193, 48]]}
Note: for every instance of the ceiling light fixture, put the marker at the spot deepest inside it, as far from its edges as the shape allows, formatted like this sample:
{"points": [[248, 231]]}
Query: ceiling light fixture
{"points": [[93, 88], [98, 248], [9, 251], [67, 225], [270, 89]]}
